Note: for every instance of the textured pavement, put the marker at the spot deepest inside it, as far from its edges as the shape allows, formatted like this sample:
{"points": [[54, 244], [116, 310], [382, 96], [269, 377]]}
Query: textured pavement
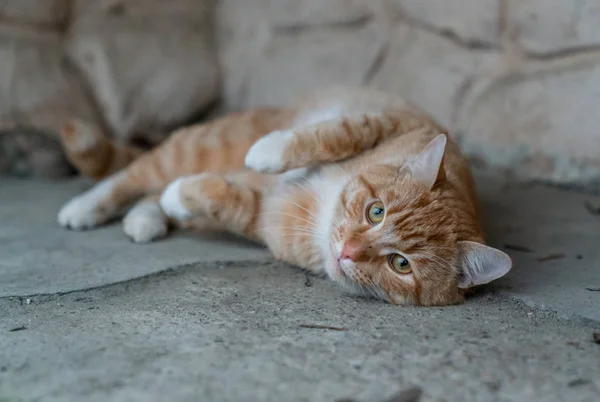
{"points": [[92, 316]]}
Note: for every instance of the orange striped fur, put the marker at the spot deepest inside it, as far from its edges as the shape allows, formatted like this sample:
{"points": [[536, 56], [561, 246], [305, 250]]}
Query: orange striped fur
{"points": [[307, 182]]}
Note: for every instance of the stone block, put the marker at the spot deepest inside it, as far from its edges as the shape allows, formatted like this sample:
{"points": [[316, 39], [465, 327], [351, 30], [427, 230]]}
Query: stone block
{"points": [[475, 21], [547, 26]]}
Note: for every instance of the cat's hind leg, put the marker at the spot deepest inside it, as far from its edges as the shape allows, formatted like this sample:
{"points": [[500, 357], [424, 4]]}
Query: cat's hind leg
{"points": [[111, 197], [97, 158], [148, 174], [146, 221]]}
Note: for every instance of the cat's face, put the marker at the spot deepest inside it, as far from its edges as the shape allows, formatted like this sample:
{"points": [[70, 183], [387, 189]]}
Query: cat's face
{"points": [[399, 238], [393, 237]]}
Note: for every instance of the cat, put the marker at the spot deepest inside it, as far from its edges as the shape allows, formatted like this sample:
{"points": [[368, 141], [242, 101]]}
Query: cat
{"points": [[354, 183]]}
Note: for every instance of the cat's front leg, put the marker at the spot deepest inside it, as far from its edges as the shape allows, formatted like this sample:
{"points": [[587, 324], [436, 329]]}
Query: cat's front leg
{"points": [[172, 201], [112, 196], [267, 155], [146, 221], [203, 195], [232, 202], [309, 145], [328, 141]]}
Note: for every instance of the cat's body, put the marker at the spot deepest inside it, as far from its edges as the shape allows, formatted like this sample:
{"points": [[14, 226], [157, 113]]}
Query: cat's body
{"points": [[350, 183]]}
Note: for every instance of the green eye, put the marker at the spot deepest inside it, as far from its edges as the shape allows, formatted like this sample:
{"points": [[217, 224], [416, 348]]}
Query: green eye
{"points": [[400, 264], [375, 212]]}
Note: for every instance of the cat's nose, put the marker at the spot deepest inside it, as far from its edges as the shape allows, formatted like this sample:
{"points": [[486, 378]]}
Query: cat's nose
{"points": [[350, 251]]}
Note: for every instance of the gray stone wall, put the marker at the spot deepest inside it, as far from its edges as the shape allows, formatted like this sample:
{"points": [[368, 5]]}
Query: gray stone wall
{"points": [[517, 82], [135, 68]]}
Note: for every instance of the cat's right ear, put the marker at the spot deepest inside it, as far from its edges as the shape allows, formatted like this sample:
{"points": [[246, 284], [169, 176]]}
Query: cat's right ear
{"points": [[427, 166], [481, 264]]}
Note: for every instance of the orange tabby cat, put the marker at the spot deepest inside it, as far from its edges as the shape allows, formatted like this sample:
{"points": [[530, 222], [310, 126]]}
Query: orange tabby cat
{"points": [[356, 184]]}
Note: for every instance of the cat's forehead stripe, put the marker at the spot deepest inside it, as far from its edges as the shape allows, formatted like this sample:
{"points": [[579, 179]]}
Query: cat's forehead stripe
{"points": [[366, 183]]}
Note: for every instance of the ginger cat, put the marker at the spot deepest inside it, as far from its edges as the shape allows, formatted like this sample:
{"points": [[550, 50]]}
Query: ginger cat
{"points": [[353, 183]]}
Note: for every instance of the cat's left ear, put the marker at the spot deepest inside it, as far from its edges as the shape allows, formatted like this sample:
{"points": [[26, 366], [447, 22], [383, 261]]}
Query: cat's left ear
{"points": [[427, 166], [481, 264]]}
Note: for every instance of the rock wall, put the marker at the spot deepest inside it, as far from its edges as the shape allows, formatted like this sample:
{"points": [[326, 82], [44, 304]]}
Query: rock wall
{"points": [[516, 81], [136, 68]]}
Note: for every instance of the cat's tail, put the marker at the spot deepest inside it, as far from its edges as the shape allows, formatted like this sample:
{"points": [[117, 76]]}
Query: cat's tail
{"points": [[92, 154]]}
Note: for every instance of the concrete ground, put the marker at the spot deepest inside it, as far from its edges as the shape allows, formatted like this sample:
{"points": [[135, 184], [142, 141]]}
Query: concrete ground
{"points": [[91, 316]]}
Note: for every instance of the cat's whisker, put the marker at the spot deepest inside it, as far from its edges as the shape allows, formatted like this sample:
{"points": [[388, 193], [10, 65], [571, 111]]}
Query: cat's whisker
{"points": [[295, 230], [334, 229], [289, 234], [373, 289], [291, 231], [290, 215], [334, 222], [297, 233], [359, 287], [297, 205], [314, 195], [376, 290], [344, 172], [370, 291], [306, 243], [311, 193], [365, 288]]}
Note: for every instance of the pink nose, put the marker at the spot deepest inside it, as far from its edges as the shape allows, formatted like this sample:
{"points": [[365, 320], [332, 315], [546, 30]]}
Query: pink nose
{"points": [[350, 251]]}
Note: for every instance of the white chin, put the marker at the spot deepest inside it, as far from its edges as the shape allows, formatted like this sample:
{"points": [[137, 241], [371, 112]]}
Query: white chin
{"points": [[334, 270]]}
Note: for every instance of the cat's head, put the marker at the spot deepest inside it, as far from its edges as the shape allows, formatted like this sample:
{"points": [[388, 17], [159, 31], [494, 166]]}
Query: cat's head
{"points": [[405, 235]]}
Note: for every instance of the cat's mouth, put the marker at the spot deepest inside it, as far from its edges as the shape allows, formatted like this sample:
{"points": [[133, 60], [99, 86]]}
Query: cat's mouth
{"points": [[333, 264], [338, 266]]}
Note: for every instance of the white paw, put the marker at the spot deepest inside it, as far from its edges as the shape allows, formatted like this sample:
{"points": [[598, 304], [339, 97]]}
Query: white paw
{"points": [[145, 222], [266, 155], [170, 201], [78, 214], [91, 208]]}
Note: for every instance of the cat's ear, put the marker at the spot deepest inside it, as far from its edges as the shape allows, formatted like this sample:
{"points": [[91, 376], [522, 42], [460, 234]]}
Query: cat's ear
{"points": [[427, 166], [481, 264]]}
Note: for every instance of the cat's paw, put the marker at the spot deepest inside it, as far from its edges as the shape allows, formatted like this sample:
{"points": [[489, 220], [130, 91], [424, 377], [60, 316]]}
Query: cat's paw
{"points": [[91, 208], [267, 154], [171, 204], [78, 214], [145, 222]]}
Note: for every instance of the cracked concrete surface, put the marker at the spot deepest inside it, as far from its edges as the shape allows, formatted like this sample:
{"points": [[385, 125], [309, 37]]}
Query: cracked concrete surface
{"points": [[239, 332], [91, 316], [64, 261]]}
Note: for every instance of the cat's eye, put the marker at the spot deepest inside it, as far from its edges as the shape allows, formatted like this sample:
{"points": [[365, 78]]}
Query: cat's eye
{"points": [[400, 264], [375, 212]]}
